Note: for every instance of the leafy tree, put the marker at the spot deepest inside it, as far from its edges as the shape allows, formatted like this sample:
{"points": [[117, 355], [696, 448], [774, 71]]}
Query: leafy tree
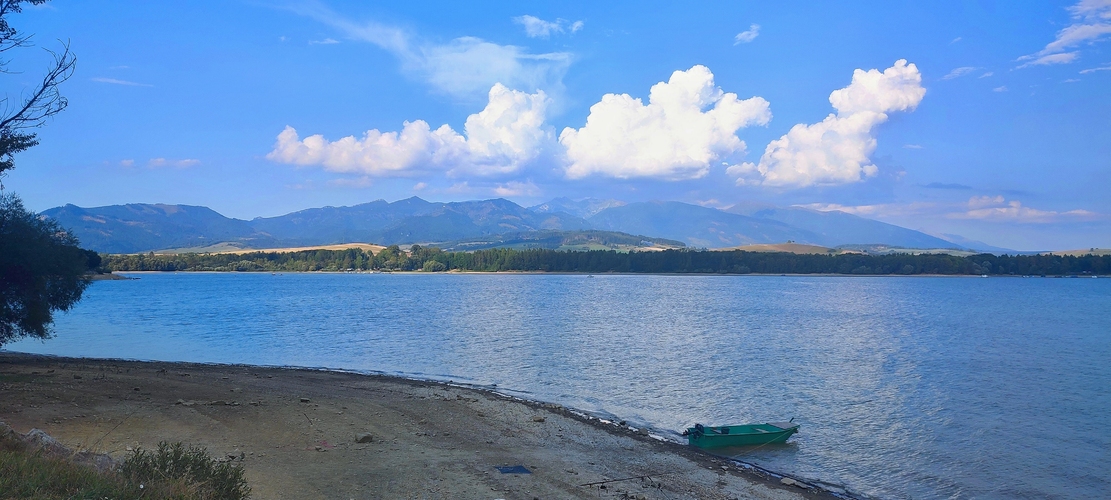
{"points": [[34, 107], [42, 269]]}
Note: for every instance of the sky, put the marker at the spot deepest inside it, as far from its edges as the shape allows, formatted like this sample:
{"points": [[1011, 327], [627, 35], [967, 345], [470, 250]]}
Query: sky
{"points": [[989, 120]]}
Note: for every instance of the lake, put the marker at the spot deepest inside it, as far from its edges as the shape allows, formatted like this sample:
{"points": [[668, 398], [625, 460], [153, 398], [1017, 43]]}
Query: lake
{"points": [[906, 387]]}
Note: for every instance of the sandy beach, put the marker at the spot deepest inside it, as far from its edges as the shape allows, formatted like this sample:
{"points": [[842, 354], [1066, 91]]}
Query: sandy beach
{"points": [[295, 433]]}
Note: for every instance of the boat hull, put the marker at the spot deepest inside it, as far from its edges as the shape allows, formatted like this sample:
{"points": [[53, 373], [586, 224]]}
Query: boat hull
{"points": [[740, 435]]}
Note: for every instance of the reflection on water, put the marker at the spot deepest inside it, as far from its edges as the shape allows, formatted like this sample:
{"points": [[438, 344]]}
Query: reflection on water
{"points": [[905, 387]]}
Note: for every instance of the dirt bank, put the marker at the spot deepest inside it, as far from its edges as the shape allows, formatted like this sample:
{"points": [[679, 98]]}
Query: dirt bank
{"points": [[295, 432]]}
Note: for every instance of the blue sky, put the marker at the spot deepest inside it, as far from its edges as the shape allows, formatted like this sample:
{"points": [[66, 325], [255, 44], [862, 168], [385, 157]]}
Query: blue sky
{"points": [[991, 120]]}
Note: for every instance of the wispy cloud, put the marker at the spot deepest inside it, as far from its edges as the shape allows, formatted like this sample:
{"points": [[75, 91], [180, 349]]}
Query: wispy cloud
{"points": [[465, 67], [1093, 70], [1000, 89], [985, 75], [959, 72], [163, 162], [998, 208], [955, 40], [539, 28], [356, 182], [326, 41], [946, 185], [912, 146], [516, 189], [1091, 23], [983, 208], [115, 81], [747, 36]]}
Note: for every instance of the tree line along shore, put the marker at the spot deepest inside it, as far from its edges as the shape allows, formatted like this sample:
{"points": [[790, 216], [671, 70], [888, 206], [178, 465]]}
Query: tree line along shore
{"points": [[431, 259]]}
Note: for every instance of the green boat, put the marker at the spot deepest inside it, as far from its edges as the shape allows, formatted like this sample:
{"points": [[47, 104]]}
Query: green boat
{"points": [[740, 435]]}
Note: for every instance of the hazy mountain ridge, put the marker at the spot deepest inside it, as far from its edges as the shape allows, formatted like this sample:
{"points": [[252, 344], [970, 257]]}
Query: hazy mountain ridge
{"points": [[148, 227], [835, 228], [696, 226], [581, 207], [139, 227]]}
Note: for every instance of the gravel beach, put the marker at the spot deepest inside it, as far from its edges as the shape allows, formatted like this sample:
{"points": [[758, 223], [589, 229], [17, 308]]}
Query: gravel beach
{"points": [[320, 434]]}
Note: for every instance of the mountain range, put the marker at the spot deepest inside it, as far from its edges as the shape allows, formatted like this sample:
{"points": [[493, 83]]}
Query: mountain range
{"points": [[136, 228]]}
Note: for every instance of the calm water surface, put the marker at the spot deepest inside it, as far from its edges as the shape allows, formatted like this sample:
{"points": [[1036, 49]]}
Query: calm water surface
{"points": [[905, 387]]}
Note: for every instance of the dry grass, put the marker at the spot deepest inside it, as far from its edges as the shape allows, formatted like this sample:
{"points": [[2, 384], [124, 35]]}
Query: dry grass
{"points": [[795, 248], [238, 250], [171, 472]]}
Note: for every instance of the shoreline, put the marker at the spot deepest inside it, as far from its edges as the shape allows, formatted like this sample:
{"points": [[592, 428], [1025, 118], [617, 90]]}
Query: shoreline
{"points": [[571, 273], [565, 449]]}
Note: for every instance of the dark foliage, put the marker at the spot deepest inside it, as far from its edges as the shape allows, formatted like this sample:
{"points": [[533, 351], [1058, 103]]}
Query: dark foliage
{"points": [[605, 261], [42, 270]]}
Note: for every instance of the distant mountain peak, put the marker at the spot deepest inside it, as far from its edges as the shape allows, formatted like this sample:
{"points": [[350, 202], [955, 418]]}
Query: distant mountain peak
{"points": [[579, 207]]}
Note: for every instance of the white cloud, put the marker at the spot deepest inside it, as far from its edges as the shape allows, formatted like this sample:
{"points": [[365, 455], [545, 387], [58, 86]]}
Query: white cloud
{"points": [[955, 40], [837, 149], [747, 36], [959, 72], [998, 208], [1062, 58], [420, 186], [326, 41], [1091, 24], [115, 81], [985, 75], [882, 210], [464, 67], [912, 146], [357, 182], [984, 208], [1093, 70], [1000, 89], [162, 162], [539, 28], [514, 189], [127, 163], [500, 139], [688, 124]]}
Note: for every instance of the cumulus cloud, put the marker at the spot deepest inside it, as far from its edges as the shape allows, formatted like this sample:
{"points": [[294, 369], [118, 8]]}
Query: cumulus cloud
{"points": [[465, 67], [1091, 23], [502, 138], [539, 28], [688, 124], [837, 149], [747, 36]]}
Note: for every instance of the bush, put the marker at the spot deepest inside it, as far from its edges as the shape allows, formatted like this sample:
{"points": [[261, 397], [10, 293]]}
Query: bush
{"points": [[189, 471]]}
